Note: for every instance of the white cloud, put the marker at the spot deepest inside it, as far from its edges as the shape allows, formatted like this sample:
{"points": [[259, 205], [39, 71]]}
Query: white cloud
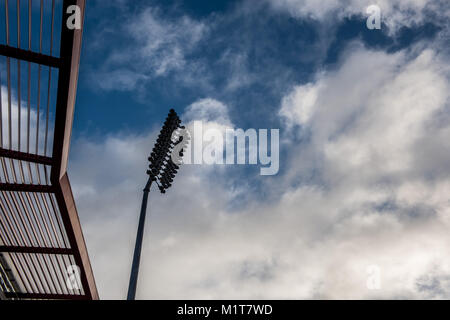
{"points": [[239, 72], [208, 110], [121, 79], [10, 124], [368, 125], [164, 42], [159, 46], [13, 104], [395, 13], [297, 107], [379, 152], [374, 109]]}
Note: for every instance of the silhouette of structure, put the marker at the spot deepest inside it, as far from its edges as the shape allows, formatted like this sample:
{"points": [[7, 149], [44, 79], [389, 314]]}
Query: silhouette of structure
{"points": [[40, 233], [162, 171]]}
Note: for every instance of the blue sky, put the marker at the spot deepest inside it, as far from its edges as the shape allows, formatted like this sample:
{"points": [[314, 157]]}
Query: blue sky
{"points": [[272, 53], [363, 118], [246, 56]]}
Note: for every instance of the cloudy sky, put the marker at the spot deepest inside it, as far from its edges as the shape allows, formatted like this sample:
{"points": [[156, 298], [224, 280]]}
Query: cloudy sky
{"points": [[364, 119]]}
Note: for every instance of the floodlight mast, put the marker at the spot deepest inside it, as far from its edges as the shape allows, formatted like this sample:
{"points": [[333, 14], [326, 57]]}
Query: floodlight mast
{"points": [[138, 246], [162, 171]]}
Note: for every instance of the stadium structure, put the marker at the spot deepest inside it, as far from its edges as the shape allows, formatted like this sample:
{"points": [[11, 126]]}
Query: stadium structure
{"points": [[42, 250]]}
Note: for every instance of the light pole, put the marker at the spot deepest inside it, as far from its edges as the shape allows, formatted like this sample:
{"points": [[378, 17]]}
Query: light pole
{"points": [[162, 171]]}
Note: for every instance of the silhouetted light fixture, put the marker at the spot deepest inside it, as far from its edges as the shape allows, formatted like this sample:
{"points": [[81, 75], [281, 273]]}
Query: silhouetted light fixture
{"points": [[162, 171]]}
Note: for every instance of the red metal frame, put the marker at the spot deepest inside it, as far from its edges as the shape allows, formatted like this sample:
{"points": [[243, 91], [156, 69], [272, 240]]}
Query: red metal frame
{"points": [[54, 198]]}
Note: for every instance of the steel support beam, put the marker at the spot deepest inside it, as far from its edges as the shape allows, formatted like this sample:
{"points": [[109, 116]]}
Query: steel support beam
{"points": [[35, 250], [26, 188], [30, 56], [69, 215], [43, 296], [68, 65], [70, 52], [25, 157]]}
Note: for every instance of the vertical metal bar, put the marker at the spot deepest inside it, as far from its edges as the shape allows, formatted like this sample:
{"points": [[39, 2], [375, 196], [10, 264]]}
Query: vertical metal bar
{"points": [[44, 241], [13, 235], [29, 90], [48, 262], [18, 75], [7, 21], [63, 235], [38, 284], [5, 170], [15, 265], [29, 237], [1, 111], [8, 209], [52, 223], [15, 240], [8, 73], [138, 248], [59, 273], [18, 23], [45, 279], [46, 215], [33, 284], [45, 224], [4, 231], [29, 76], [19, 95], [36, 239], [13, 169], [39, 91], [39, 82], [49, 215], [48, 91], [8, 77], [58, 219], [27, 215], [49, 82], [29, 24], [27, 287], [40, 29]]}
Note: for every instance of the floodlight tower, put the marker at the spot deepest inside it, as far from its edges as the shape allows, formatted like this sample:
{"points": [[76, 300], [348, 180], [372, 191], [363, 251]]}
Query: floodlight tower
{"points": [[162, 171]]}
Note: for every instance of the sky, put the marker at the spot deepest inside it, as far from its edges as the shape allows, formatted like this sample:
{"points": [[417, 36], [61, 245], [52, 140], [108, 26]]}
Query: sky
{"points": [[364, 120]]}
